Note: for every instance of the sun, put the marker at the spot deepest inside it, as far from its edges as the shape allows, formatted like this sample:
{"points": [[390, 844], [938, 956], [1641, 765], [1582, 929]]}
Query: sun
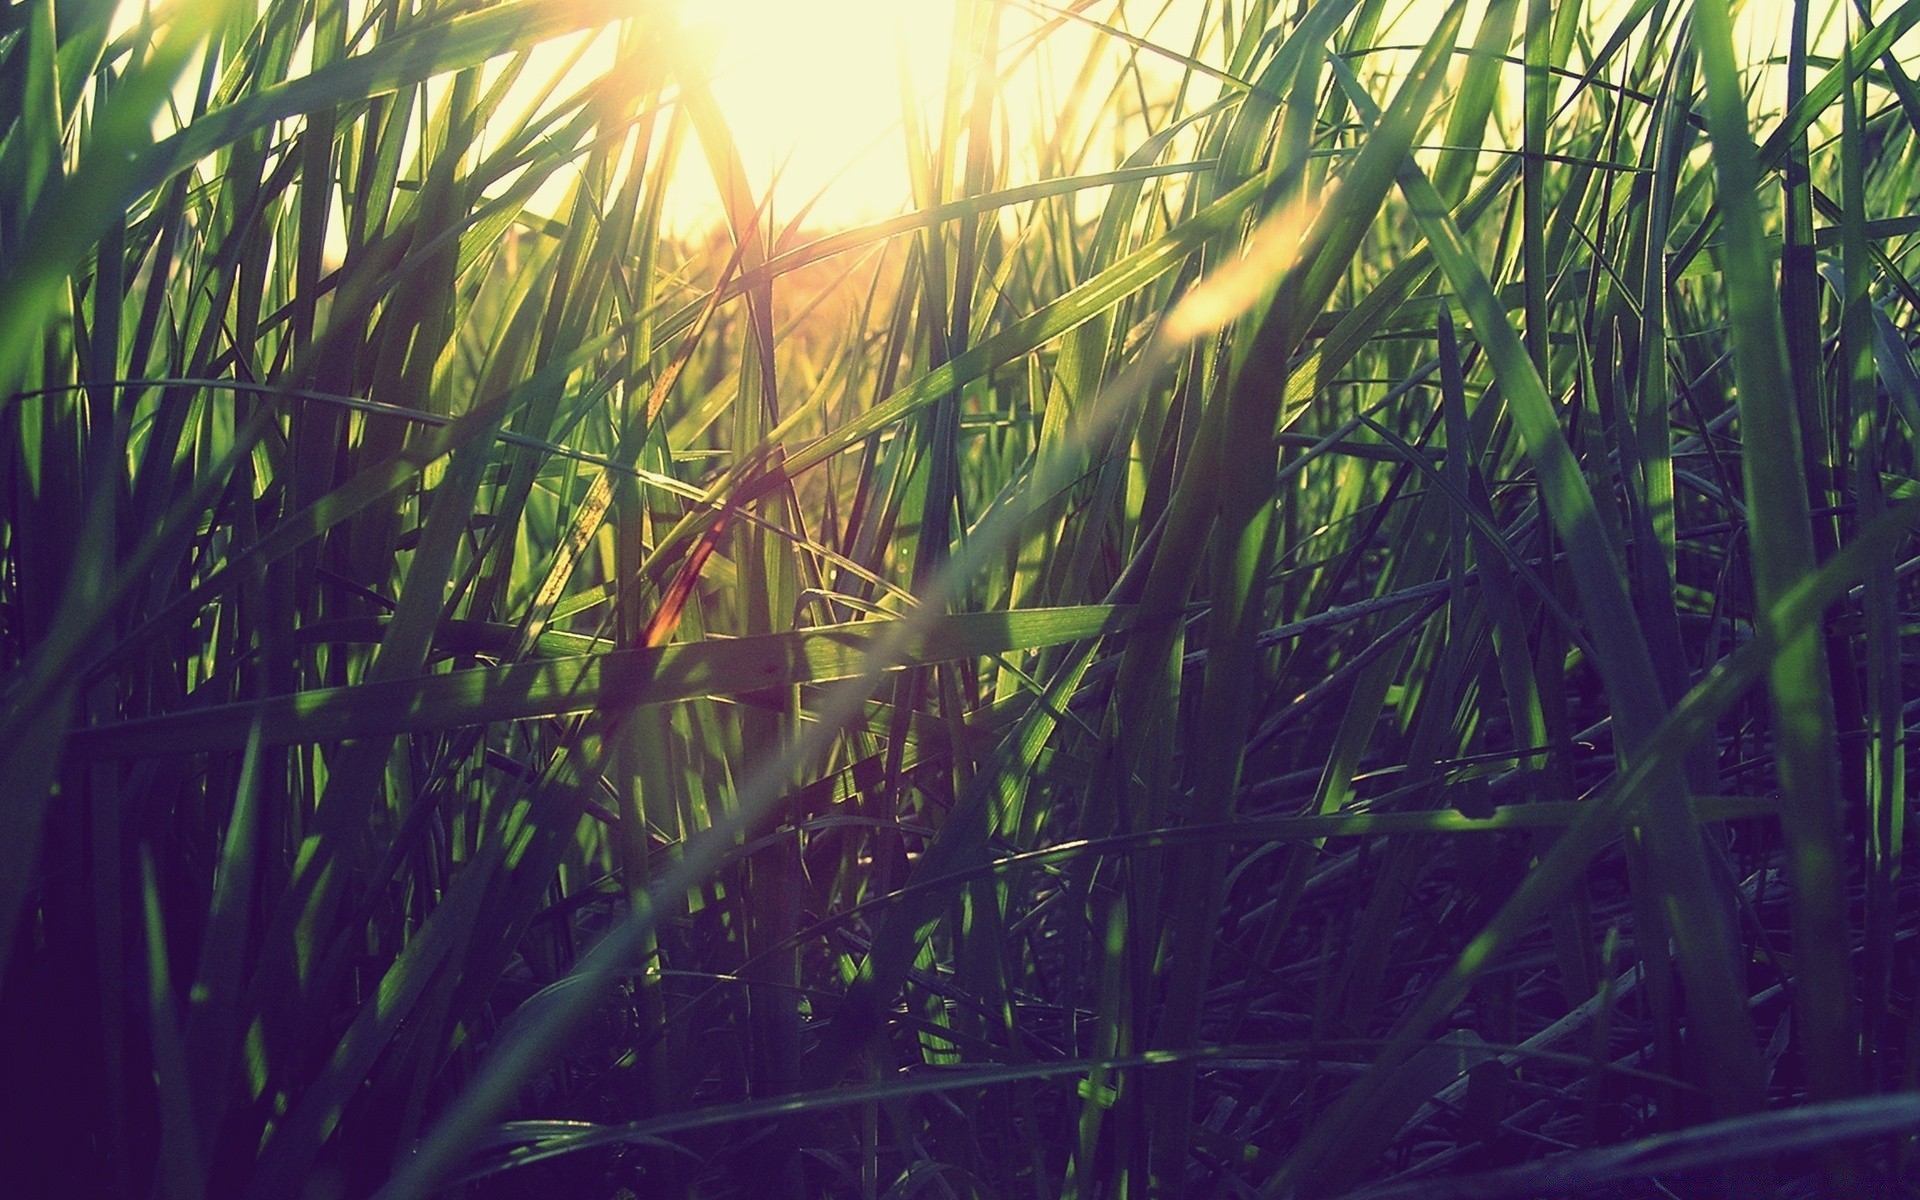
{"points": [[812, 91]]}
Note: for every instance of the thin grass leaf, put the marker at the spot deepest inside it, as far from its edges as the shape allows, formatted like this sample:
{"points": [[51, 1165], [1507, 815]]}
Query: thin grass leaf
{"points": [[1781, 542]]}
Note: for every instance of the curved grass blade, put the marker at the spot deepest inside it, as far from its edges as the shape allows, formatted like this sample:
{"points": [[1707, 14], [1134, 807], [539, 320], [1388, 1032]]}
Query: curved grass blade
{"points": [[583, 683], [1604, 818]]}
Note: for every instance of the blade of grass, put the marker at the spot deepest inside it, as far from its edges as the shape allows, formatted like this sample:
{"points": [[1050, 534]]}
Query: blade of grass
{"points": [[1780, 536]]}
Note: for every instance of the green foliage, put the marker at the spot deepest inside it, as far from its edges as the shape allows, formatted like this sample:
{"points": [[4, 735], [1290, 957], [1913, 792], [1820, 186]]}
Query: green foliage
{"points": [[1343, 612]]}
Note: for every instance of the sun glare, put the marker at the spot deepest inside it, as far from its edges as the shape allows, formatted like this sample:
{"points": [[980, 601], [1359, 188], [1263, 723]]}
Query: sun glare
{"points": [[812, 91]]}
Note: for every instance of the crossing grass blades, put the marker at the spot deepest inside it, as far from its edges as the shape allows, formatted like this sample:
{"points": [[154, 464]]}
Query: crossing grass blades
{"points": [[1338, 617]]}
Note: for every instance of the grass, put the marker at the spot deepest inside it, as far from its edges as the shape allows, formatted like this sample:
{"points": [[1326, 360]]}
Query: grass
{"points": [[1338, 613]]}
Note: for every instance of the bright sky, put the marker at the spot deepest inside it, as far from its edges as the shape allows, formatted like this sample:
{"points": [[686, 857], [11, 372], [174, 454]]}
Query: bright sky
{"points": [[815, 84], [813, 89]]}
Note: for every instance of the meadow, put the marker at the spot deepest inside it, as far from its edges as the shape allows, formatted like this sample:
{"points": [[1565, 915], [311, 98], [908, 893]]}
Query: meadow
{"points": [[1331, 617]]}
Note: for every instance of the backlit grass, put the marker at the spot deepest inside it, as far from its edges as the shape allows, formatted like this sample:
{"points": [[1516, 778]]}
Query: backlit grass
{"points": [[1329, 607]]}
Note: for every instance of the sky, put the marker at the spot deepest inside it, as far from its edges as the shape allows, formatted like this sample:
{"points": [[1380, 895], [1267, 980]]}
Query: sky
{"points": [[813, 90], [810, 86]]}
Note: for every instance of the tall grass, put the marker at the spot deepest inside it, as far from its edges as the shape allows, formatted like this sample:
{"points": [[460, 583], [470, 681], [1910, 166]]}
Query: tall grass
{"points": [[1341, 615]]}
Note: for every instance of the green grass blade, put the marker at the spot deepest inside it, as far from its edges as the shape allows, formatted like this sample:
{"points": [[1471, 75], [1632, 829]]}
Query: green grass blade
{"points": [[1781, 541]]}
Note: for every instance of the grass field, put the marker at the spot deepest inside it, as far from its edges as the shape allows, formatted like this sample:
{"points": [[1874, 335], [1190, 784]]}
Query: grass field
{"points": [[1333, 612]]}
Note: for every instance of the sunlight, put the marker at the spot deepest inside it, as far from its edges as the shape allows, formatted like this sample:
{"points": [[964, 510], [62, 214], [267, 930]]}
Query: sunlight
{"points": [[812, 92]]}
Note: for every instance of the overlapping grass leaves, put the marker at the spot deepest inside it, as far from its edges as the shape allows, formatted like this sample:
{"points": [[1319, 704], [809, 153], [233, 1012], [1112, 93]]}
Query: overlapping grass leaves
{"points": [[1066, 691]]}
